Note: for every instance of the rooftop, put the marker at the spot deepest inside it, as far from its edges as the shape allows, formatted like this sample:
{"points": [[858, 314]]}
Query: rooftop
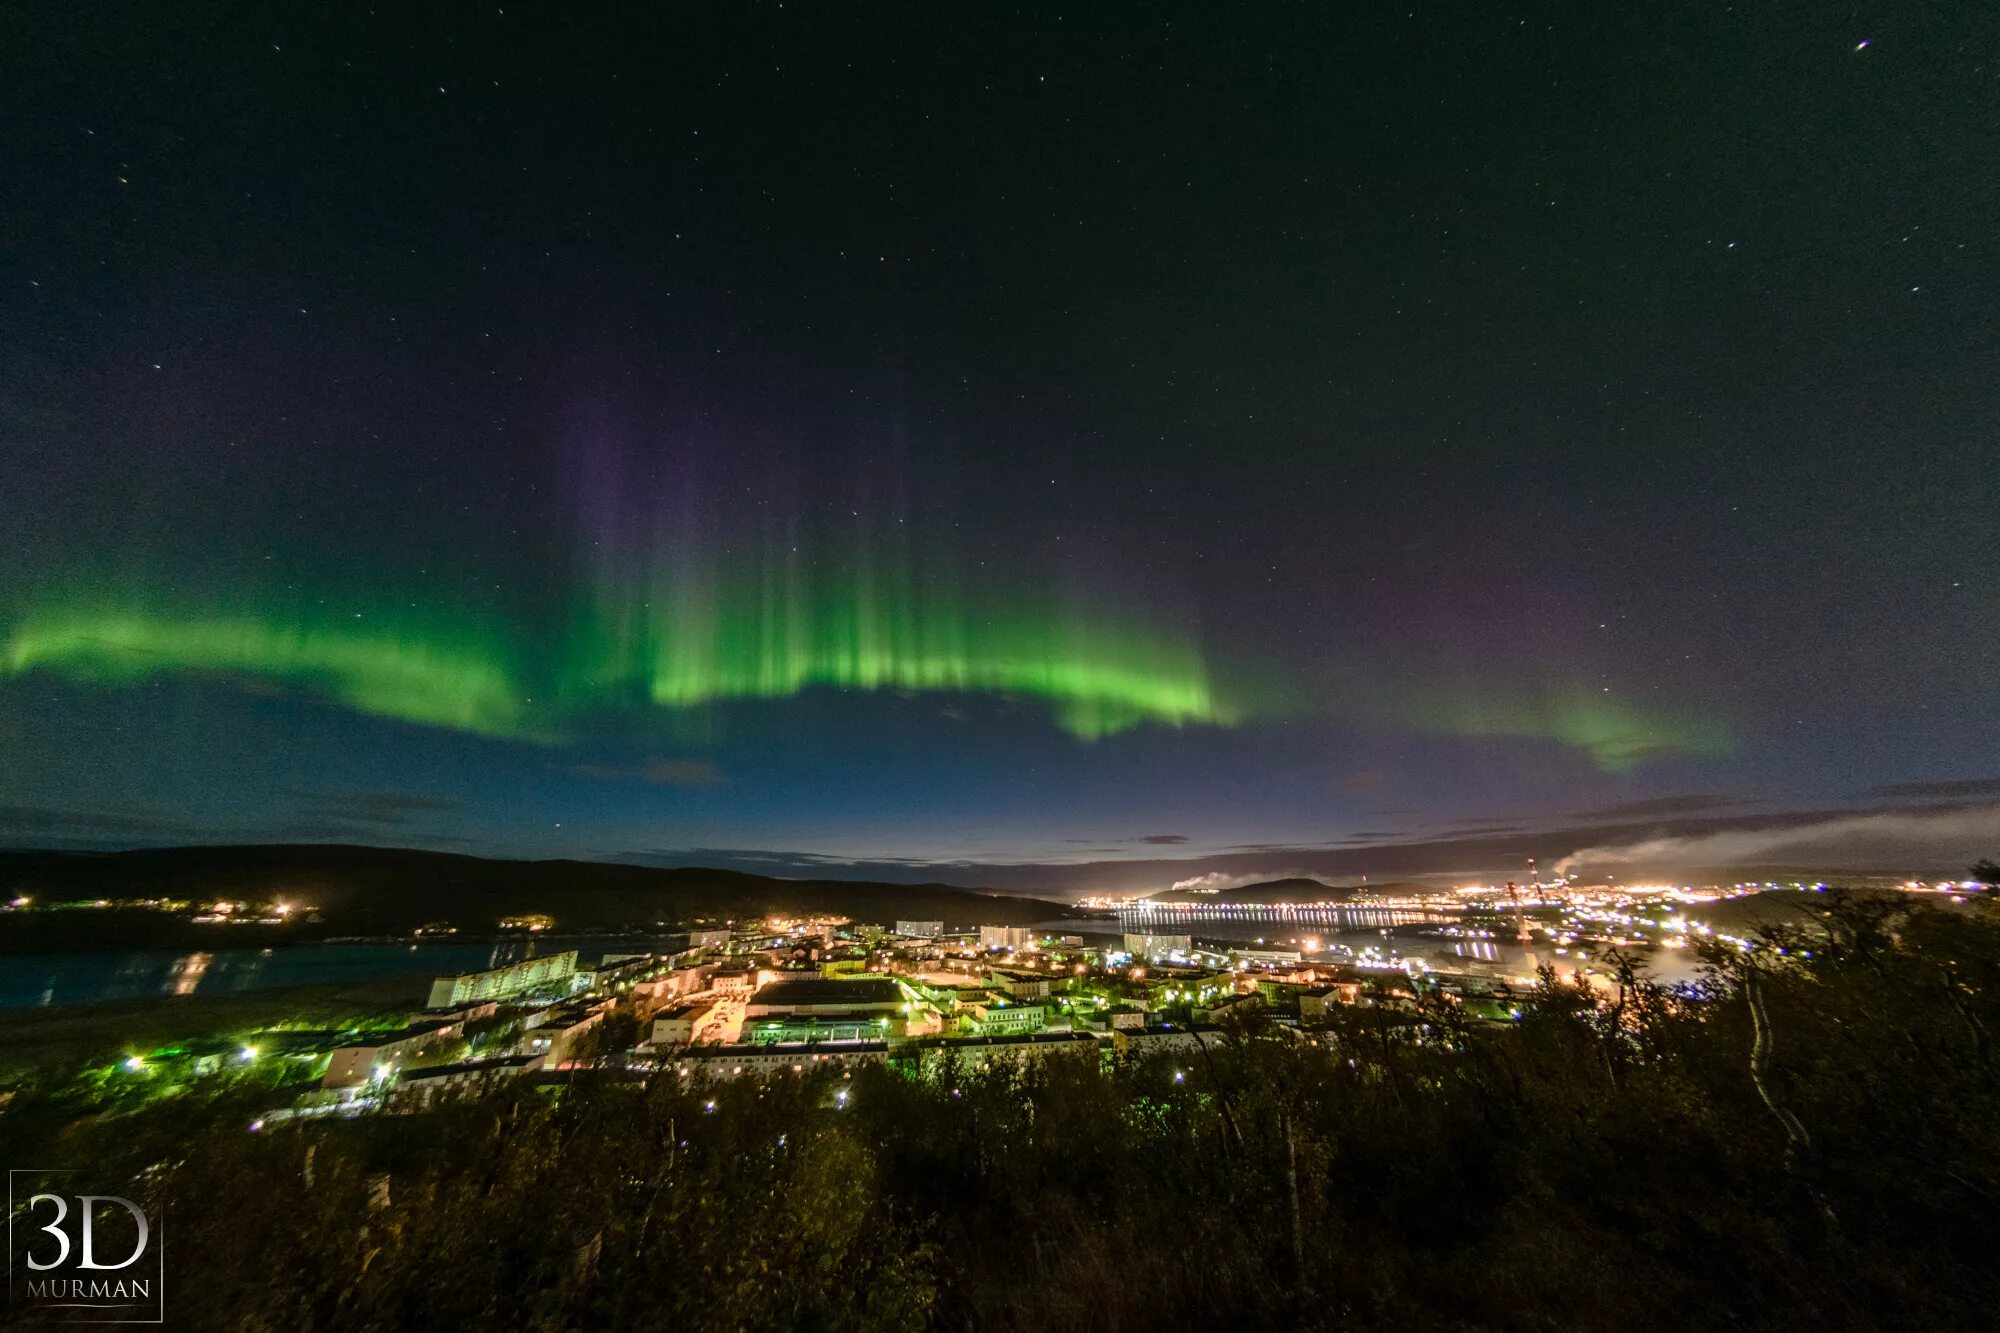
{"points": [[819, 991], [495, 1064]]}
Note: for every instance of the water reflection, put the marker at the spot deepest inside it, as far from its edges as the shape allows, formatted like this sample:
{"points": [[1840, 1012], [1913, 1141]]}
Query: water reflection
{"points": [[188, 972], [1220, 921], [42, 980], [1346, 933]]}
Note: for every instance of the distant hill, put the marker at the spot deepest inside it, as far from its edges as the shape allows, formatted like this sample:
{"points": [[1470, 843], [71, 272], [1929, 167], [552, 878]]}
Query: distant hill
{"points": [[1749, 913], [378, 890], [1294, 890], [1393, 888]]}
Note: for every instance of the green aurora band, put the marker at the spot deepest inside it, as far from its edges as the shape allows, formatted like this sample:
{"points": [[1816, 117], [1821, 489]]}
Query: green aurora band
{"points": [[683, 644], [1615, 734], [470, 676], [453, 676], [673, 645]]}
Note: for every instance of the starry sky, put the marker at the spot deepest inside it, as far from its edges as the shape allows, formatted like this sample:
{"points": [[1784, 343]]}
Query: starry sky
{"points": [[1050, 444]]}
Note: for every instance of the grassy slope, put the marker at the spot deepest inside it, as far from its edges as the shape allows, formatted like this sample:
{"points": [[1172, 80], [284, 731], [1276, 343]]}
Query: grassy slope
{"points": [[70, 1036]]}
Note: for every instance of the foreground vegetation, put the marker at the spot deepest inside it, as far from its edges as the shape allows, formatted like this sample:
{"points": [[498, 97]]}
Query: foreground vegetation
{"points": [[1813, 1144]]}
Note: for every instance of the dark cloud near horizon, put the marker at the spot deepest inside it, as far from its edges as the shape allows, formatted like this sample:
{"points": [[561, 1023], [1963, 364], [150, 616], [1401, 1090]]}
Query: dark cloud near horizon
{"points": [[692, 773], [800, 865], [1953, 789], [383, 808], [1820, 835], [1663, 805], [325, 830], [1830, 839], [89, 824]]}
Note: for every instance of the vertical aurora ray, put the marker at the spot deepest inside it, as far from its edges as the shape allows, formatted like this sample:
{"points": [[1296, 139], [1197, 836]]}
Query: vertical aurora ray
{"points": [[687, 607], [695, 637], [678, 603]]}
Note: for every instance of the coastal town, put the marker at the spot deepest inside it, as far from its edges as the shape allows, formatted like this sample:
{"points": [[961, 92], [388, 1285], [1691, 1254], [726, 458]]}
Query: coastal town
{"points": [[792, 995]]}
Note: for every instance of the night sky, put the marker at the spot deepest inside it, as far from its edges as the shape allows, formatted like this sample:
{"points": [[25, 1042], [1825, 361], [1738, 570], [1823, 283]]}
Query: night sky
{"points": [[854, 437]]}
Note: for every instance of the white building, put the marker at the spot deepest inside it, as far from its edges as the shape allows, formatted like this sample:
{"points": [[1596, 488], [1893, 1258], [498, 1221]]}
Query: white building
{"points": [[1265, 957], [504, 983], [763, 1061], [1147, 947], [676, 1027], [375, 1056], [424, 1085], [984, 1052], [1006, 937]]}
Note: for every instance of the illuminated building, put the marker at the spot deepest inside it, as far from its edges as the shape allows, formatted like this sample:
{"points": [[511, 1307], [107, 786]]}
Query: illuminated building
{"points": [[995, 1016], [1021, 985], [814, 1028], [1146, 947], [762, 1061], [560, 1029], [501, 983], [676, 1027], [425, 1085], [374, 1057], [1006, 937], [970, 1053]]}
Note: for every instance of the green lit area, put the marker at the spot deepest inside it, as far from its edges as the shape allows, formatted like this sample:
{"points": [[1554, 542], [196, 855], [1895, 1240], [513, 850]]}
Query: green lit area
{"points": [[444, 675]]}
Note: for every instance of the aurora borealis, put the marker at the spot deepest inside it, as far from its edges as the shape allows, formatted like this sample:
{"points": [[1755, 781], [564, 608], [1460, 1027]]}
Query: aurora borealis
{"points": [[433, 678], [802, 440], [679, 654], [684, 610], [1099, 678]]}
